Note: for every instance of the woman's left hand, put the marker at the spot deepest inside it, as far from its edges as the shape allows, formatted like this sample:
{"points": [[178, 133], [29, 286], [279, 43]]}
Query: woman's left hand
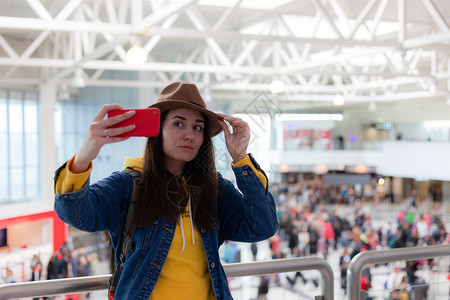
{"points": [[237, 142]]}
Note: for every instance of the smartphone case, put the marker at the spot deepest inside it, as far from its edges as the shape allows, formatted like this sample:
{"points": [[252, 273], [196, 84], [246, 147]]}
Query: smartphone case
{"points": [[145, 119]]}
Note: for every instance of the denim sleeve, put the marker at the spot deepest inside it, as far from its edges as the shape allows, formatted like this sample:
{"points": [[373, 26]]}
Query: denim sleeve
{"points": [[247, 214], [97, 207]]}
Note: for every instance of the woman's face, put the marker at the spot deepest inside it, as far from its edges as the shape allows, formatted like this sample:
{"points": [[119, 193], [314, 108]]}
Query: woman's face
{"points": [[182, 135]]}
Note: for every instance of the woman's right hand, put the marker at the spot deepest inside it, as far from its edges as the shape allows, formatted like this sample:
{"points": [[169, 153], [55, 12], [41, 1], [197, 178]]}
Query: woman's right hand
{"points": [[100, 134]]}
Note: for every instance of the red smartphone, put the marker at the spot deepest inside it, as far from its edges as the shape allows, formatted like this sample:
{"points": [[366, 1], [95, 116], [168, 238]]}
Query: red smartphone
{"points": [[145, 119]]}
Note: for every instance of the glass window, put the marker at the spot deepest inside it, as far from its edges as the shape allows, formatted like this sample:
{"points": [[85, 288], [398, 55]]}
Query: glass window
{"points": [[31, 96], [58, 119], [3, 119], [15, 95], [31, 150], [70, 130], [31, 117], [16, 116], [17, 184], [3, 151], [19, 145], [72, 145], [16, 150], [32, 182], [69, 114], [4, 185], [59, 149]]}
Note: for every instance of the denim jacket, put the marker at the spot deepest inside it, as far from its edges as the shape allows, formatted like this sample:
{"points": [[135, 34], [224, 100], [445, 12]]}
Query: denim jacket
{"points": [[244, 215]]}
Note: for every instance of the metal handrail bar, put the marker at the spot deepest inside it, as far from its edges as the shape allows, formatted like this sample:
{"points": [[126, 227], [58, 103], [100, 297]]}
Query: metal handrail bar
{"points": [[54, 287], [287, 265], [94, 283], [383, 256]]}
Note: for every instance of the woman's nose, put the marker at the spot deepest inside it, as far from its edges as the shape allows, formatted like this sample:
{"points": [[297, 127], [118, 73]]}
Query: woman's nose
{"points": [[189, 134]]}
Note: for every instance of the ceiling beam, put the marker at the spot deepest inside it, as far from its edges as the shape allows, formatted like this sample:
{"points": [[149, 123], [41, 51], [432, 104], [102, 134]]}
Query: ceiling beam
{"points": [[401, 20], [226, 15], [377, 19], [334, 59], [361, 17], [160, 15], [435, 15], [34, 24], [7, 47], [330, 21], [98, 52], [31, 24], [220, 57], [39, 9], [438, 38]]}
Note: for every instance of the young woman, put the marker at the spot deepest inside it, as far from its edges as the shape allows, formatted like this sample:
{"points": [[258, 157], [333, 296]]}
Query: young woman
{"points": [[184, 209]]}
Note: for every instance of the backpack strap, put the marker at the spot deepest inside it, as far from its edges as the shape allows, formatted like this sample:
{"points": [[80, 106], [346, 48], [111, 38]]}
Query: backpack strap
{"points": [[127, 243]]}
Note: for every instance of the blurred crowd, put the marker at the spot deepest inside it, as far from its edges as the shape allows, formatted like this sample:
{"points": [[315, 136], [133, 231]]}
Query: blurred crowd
{"points": [[310, 226], [314, 220], [65, 263]]}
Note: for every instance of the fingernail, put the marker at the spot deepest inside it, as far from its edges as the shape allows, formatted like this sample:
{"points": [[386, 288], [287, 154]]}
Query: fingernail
{"points": [[131, 112]]}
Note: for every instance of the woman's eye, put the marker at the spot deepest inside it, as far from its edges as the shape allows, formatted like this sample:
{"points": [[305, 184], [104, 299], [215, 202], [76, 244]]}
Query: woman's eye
{"points": [[198, 128], [178, 124]]}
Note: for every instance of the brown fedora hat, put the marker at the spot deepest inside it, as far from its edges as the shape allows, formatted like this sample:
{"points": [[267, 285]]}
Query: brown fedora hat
{"points": [[186, 95]]}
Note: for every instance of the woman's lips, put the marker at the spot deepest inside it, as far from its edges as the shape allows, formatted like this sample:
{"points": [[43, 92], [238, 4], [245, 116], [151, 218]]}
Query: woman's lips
{"points": [[187, 147]]}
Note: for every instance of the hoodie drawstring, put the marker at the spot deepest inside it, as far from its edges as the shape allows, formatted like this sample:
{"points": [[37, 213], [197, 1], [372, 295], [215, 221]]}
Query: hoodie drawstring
{"points": [[182, 233], [192, 228], [192, 224]]}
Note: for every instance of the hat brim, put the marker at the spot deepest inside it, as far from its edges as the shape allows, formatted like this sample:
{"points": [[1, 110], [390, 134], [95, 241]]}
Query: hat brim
{"points": [[213, 122]]}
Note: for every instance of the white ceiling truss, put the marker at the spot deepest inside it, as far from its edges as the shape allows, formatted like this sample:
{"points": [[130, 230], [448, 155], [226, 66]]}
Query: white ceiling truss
{"points": [[368, 51]]}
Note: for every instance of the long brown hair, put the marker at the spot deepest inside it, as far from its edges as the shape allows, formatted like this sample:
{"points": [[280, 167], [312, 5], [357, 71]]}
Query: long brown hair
{"points": [[162, 194]]}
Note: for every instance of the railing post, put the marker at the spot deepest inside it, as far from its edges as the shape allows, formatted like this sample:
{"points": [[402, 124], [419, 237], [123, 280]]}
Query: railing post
{"points": [[362, 295]]}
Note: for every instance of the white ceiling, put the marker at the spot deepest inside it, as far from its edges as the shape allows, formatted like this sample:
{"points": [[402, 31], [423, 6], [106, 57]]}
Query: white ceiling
{"points": [[368, 51]]}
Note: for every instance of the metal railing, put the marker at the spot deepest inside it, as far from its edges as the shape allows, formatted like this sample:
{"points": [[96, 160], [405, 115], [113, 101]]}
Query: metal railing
{"points": [[288, 265], [94, 283], [383, 256], [54, 287]]}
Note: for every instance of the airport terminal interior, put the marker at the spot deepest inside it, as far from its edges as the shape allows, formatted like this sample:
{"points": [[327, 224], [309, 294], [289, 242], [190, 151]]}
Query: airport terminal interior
{"points": [[348, 105]]}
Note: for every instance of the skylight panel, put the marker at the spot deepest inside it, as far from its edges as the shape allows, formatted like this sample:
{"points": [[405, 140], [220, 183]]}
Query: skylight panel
{"points": [[263, 4], [221, 3], [307, 27]]}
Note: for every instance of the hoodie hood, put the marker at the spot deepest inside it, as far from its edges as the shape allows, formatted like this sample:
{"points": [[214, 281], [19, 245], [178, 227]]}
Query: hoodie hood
{"points": [[134, 162]]}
